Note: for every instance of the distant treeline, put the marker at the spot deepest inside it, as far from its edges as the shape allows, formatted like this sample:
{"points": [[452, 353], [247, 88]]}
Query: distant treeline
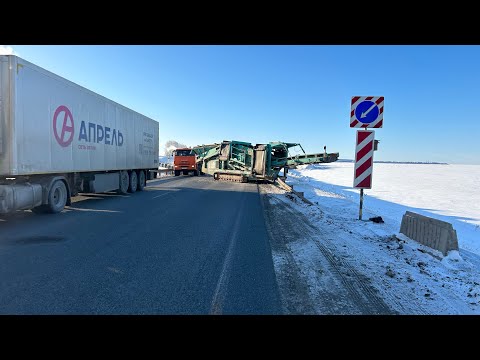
{"points": [[399, 162]]}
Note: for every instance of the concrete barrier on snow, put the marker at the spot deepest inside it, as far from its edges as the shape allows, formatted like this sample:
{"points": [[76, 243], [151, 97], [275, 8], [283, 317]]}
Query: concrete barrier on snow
{"points": [[437, 234]]}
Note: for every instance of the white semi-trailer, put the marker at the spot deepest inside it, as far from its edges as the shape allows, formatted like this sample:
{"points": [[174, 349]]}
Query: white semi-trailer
{"points": [[58, 139]]}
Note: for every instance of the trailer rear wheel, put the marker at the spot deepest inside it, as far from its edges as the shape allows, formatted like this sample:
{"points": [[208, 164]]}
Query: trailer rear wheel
{"points": [[141, 180], [57, 197], [124, 181], [132, 184]]}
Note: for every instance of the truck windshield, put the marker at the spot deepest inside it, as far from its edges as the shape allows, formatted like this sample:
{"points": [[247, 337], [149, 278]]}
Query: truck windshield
{"points": [[183, 153]]}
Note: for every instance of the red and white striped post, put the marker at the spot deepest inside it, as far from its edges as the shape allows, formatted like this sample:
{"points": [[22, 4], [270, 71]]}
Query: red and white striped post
{"points": [[363, 163]]}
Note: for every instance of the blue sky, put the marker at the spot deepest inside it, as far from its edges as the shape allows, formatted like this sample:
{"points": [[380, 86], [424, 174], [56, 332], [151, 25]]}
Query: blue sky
{"points": [[260, 93]]}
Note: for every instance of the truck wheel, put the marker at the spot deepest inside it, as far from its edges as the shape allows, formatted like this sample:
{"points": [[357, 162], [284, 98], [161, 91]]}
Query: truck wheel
{"points": [[124, 181], [141, 180], [177, 172], [195, 173], [132, 185], [57, 197]]}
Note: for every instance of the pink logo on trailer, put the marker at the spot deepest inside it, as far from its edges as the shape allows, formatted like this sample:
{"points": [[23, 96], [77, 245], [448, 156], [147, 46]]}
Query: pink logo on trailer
{"points": [[366, 111], [66, 125], [364, 159]]}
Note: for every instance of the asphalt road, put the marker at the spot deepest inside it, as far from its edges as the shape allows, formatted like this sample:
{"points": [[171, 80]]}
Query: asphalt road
{"points": [[185, 245]]}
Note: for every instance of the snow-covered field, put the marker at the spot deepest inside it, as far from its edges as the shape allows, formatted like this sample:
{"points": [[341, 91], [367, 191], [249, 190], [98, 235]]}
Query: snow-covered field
{"points": [[446, 192], [405, 273]]}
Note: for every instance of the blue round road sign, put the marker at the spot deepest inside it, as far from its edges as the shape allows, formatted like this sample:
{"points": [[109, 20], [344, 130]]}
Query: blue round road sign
{"points": [[367, 112]]}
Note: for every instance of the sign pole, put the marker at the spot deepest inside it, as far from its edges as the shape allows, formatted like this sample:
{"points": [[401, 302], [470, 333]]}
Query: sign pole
{"points": [[361, 205]]}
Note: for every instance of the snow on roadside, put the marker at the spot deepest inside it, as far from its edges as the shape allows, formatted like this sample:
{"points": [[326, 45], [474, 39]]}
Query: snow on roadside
{"points": [[412, 278], [445, 192]]}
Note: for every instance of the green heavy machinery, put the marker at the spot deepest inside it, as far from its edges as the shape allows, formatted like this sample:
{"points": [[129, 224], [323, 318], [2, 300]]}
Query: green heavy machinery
{"points": [[242, 162], [306, 159]]}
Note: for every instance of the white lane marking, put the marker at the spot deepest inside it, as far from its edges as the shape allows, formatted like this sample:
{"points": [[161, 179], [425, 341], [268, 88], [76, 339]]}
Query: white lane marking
{"points": [[222, 284], [160, 195], [72, 208]]}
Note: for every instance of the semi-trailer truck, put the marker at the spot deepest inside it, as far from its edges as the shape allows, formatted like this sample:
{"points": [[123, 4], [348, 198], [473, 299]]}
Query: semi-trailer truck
{"points": [[59, 139]]}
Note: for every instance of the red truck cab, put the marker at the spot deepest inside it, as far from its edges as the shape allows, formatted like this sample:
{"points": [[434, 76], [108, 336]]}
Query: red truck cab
{"points": [[184, 160]]}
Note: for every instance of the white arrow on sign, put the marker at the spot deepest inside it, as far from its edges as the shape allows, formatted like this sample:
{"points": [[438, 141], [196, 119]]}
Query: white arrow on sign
{"points": [[364, 114]]}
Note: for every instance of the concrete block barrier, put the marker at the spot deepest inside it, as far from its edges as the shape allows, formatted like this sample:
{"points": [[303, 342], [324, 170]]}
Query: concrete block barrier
{"points": [[437, 234]]}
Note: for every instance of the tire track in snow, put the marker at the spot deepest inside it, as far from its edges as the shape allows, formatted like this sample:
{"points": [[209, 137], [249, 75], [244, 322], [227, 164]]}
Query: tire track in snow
{"points": [[356, 293]]}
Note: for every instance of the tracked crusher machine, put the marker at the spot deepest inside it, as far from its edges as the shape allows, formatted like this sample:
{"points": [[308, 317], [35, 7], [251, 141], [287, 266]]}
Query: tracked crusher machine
{"points": [[242, 162]]}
